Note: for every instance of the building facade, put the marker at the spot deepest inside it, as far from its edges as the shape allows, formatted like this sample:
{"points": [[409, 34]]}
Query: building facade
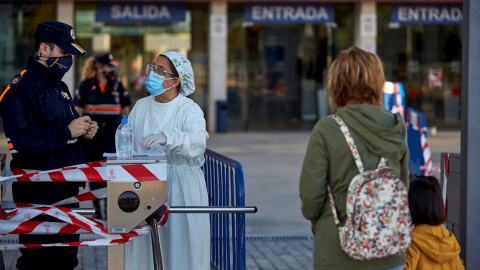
{"points": [[265, 61]]}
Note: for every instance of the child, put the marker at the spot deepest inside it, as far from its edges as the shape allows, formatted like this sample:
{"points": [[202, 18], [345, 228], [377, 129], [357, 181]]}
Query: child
{"points": [[432, 247]]}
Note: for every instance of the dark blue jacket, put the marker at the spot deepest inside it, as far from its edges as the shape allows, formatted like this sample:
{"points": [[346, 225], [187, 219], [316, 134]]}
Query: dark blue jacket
{"points": [[36, 109], [103, 105]]}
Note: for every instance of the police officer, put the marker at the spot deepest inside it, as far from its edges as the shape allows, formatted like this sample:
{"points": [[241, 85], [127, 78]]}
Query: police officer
{"points": [[101, 96], [44, 132]]}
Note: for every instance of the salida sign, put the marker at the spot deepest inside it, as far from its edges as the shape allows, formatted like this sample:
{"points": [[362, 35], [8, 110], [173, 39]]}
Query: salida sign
{"points": [[146, 12]]}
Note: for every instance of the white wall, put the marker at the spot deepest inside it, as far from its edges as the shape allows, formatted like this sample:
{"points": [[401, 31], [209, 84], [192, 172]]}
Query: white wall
{"points": [[365, 24], [217, 60], [65, 14]]}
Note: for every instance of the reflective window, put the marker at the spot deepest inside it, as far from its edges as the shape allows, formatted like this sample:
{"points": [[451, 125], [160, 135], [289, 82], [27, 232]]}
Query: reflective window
{"points": [[426, 59], [135, 45], [276, 72], [19, 21]]}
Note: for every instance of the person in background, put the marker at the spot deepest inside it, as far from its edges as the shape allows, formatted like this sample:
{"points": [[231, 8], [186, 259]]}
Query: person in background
{"points": [[103, 98], [44, 132], [354, 88], [433, 246], [167, 120]]}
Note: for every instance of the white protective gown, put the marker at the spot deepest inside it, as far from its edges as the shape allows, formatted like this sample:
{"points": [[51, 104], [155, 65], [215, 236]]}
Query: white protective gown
{"points": [[185, 238]]}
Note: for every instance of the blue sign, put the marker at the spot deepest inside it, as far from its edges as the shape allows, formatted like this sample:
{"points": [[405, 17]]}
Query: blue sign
{"points": [[427, 13], [420, 162], [289, 12], [394, 98], [145, 12]]}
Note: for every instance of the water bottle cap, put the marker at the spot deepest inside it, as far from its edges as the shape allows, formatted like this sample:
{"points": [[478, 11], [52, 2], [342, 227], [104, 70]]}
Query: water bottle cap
{"points": [[124, 120]]}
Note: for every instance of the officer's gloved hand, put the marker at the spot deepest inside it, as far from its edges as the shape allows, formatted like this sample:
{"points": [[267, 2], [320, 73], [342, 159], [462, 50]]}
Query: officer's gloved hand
{"points": [[151, 140]]}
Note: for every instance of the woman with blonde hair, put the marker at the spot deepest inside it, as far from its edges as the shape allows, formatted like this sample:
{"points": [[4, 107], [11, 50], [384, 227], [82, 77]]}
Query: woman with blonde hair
{"points": [[354, 87]]}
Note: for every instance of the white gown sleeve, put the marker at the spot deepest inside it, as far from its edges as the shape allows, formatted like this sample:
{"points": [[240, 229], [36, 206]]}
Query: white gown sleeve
{"points": [[191, 140]]}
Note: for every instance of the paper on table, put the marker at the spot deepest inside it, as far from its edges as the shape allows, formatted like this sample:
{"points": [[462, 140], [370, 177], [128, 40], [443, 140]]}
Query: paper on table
{"points": [[135, 154]]}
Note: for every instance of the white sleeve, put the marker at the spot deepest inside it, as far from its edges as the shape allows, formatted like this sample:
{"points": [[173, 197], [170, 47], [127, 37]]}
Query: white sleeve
{"points": [[191, 140]]}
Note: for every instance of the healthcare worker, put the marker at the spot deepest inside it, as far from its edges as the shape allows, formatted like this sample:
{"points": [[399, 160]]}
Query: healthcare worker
{"points": [[169, 121], [103, 98]]}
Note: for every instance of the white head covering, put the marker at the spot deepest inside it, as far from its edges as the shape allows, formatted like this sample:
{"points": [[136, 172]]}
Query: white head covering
{"points": [[184, 69]]}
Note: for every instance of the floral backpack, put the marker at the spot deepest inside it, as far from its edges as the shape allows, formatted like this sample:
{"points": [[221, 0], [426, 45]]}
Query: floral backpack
{"points": [[378, 221]]}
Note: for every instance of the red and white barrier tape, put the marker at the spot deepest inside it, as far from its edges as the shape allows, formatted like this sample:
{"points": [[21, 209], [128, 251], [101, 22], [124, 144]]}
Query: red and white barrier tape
{"points": [[85, 173], [18, 172], [17, 220], [19, 223], [100, 193]]}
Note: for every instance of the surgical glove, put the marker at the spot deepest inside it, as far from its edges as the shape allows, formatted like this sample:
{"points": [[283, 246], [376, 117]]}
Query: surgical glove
{"points": [[151, 140]]}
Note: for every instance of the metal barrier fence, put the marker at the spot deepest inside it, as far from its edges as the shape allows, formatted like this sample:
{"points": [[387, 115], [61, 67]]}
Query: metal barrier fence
{"points": [[225, 186]]}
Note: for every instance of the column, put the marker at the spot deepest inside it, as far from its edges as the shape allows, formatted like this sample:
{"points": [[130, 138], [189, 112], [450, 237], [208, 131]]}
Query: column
{"points": [[365, 23], [66, 14], [217, 60], [470, 132]]}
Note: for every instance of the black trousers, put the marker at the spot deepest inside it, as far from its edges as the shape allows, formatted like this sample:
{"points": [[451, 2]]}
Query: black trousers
{"points": [[48, 257]]}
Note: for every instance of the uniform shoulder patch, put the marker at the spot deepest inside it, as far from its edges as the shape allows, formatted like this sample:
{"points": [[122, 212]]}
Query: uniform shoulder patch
{"points": [[16, 80]]}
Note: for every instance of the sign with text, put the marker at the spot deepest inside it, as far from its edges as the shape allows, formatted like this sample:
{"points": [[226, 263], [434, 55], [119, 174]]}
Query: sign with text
{"points": [[145, 12], [427, 13], [218, 25], [368, 25], [289, 12]]}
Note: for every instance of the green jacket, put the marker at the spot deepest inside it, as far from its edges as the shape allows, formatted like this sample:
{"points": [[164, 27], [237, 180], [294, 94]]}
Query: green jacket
{"points": [[376, 133]]}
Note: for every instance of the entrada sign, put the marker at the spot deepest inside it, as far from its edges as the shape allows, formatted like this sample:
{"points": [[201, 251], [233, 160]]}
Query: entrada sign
{"points": [[427, 13], [146, 12], [289, 12]]}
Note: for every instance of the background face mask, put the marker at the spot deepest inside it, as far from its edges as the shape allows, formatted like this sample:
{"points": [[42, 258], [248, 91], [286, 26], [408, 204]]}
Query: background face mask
{"points": [[154, 84], [109, 74]]}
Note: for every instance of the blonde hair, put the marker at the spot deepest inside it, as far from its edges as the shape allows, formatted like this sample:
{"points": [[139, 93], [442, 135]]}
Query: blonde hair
{"points": [[90, 69], [355, 77]]}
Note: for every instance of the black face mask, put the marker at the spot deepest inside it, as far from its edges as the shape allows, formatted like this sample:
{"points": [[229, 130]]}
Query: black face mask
{"points": [[109, 74], [59, 65]]}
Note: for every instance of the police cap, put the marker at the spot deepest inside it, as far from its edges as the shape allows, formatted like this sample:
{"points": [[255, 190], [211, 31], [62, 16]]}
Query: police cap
{"points": [[59, 33], [106, 59]]}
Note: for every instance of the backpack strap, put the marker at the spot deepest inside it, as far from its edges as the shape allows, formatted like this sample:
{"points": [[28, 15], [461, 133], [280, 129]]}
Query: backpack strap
{"points": [[358, 162], [334, 207], [383, 162], [350, 142], [356, 157]]}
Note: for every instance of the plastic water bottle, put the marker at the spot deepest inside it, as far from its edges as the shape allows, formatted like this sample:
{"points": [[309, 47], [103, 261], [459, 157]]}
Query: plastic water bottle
{"points": [[124, 140]]}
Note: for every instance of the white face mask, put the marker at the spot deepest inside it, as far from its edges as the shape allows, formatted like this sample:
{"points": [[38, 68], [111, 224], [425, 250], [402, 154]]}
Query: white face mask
{"points": [[154, 84]]}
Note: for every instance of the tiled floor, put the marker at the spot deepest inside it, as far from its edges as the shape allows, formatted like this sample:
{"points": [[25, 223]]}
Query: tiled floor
{"points": [[266, 253]]}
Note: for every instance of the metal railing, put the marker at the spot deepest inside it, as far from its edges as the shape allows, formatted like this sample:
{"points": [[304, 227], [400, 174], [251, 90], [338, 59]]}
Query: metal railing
{"points": [[225, 186]]}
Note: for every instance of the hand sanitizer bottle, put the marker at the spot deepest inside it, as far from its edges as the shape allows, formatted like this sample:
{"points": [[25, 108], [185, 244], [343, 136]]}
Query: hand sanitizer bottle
{"points": [[124, 140]]}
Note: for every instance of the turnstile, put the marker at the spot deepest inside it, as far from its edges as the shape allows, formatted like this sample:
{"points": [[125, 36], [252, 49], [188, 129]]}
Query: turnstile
{"points": [[136, 192]]}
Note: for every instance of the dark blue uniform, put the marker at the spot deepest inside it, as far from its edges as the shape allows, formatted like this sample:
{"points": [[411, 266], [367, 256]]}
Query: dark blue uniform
{"points": [[103, 103], [36, 109]]}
